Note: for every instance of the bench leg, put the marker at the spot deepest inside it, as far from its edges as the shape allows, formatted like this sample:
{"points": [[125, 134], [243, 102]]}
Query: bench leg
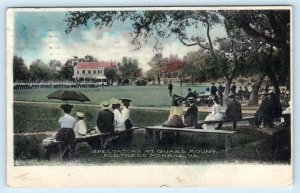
{"points": [[227, 143]]}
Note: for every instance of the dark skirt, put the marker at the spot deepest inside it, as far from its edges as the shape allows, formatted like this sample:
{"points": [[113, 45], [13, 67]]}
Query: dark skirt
{"points": [[65, 134]]}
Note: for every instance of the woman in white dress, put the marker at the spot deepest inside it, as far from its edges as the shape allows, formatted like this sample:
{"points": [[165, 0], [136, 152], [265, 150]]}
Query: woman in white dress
{"points": [[215, 115]]}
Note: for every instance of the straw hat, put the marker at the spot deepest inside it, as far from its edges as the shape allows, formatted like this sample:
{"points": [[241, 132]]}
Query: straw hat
{"points": [[105, 105], [80, 114], [114, 101]]}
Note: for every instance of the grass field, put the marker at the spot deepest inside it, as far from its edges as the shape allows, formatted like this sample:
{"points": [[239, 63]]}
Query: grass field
{"points": [[248, 145], [44, 117], [148, 96]]}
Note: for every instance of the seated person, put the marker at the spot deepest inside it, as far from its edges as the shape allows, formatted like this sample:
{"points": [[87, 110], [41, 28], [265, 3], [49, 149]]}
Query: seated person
{"points": [[126, 113], [175, 118], [233, 112], [190, 116], [215, 115], [190, 94], [66, 123], [286, 115], [80, 127], [118, 119], [264, 112], [105, 120]]}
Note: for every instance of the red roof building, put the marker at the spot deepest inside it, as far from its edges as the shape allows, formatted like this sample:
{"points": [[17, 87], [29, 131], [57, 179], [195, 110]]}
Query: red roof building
{"points": [[91, 70]]}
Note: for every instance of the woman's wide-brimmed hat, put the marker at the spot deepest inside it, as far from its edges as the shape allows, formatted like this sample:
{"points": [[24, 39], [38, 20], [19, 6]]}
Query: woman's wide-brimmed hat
{"points": [[66, 107]]}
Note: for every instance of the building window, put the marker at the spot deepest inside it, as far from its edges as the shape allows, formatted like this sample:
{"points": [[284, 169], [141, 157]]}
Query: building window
{"points": [[77, 71], [99, 71], [83, 72], [94, 71], [89, 71]]}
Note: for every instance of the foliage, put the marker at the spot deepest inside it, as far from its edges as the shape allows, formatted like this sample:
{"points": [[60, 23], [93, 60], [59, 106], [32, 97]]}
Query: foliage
{"points": [[39, 71], [129, 69], [20, 70], [67, 71], [111, 74]]}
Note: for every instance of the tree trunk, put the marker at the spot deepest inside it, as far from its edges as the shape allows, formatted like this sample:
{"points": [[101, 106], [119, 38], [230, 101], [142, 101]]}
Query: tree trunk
{"points": [[158, 79], [274, 83], [226, 91], [253, 100]]}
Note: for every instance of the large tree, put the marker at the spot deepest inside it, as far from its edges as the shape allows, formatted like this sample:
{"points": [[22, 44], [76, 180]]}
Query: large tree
{"points": [[228, 53], [111, 75], [270, 28], [39, 71], [129, 69], [20, 70]]}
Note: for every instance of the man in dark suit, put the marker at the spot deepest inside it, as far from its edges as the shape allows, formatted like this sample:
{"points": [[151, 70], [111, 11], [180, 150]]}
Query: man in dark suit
{"points": [[170, 88], [105, 121], [233, 112], [190, 116], [190, 94], [213, 90], [233, 88]]}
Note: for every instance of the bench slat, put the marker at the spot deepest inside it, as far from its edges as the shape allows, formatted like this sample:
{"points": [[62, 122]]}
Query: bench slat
{"points": [[189, 129]]}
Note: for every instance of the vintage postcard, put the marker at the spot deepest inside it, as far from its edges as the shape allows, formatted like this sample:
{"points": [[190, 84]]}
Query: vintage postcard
{"points": [[149, 97]]}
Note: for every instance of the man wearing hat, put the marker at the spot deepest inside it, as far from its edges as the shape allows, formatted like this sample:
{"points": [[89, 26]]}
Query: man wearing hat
{"points": [[105, 120], [213, 90], [118, 119], [190, 116], [190, 94], [80, 127], [233, 112], [266, 111], [233, 88], [66, 123]]}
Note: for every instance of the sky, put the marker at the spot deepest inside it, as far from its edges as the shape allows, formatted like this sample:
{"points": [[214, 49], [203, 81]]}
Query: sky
{"points": [[41, 35]]}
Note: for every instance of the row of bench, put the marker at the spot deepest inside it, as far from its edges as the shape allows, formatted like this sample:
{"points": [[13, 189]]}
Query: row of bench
{"points": [[57, 149]]}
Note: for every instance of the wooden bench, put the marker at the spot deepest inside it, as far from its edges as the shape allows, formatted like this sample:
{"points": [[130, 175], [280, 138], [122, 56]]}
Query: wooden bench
{"points": [[57, 149], [250, 119], [153, 133]]}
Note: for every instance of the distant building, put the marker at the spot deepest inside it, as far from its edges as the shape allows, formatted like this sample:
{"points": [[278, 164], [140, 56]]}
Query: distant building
{"points": [[92, 71]]}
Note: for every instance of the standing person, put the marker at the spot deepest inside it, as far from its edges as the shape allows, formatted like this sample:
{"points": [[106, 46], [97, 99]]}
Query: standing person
{"points": [[170, 88], [118, 119], [240, 93], [66, 123], [220, 93], [126, 113], [233, 88], [105, 120], [126, 119], [233, 112], [215, 115], [277, 108], [80, 127], [213, 90], [246, 92], [191, 115], [221, 88], [264, 112]]}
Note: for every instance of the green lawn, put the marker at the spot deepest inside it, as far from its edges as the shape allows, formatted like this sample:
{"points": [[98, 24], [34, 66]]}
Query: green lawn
{"points": [[44, 117], [149, 96]]}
